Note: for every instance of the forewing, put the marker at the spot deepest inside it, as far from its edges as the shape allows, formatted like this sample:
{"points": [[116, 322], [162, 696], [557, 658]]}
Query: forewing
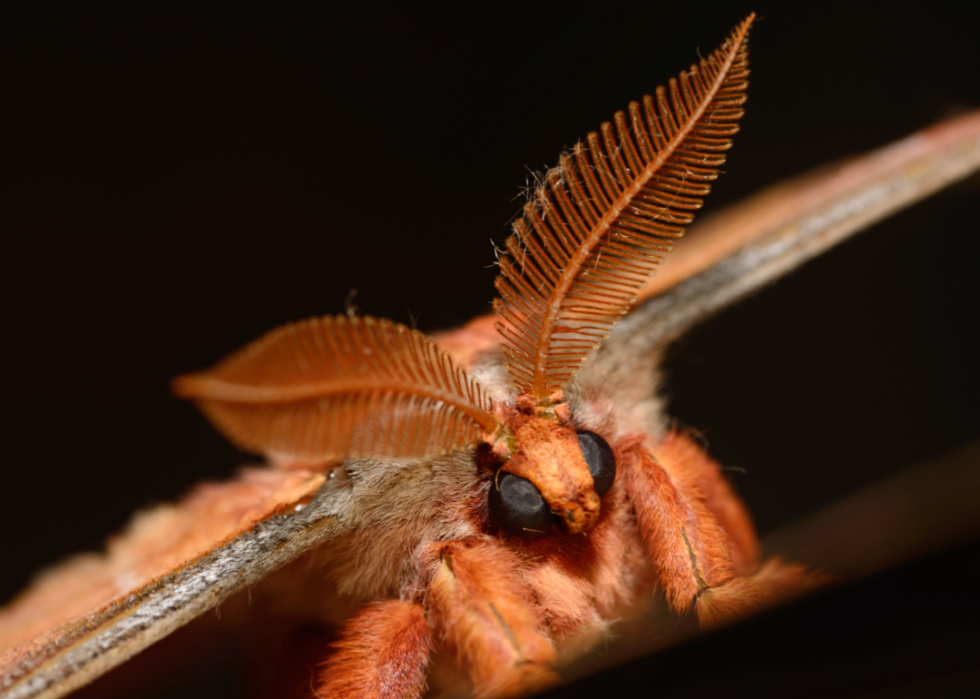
{"points": [[88, 615], [594, 230], [755, 242], [338, 387]]}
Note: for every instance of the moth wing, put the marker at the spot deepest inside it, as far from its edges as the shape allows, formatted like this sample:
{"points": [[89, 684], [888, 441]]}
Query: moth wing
{"points": [[95, 611], [759, 239]]}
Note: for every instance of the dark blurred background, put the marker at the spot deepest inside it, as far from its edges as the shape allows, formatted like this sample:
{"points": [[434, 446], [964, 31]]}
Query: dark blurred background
{"points": [[177, 183]]}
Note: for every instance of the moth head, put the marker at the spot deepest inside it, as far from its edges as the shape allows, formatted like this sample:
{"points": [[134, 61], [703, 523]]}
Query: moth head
{"points": [[551, 473]]}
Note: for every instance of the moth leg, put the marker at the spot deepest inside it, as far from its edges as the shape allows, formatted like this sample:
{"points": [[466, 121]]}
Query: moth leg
{"points": [[699, 533], [383, 652], [483, 611]]}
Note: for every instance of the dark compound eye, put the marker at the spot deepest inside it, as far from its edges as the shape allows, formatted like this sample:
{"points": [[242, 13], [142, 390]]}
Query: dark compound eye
{"points": [[517, 507], [599, 456]]}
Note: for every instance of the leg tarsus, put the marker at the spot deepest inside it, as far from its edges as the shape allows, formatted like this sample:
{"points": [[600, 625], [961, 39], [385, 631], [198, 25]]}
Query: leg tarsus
{"points": [[775, 581]]}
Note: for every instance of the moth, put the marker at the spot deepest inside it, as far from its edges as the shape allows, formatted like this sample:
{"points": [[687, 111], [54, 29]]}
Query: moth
{"points": [[299, 484]]}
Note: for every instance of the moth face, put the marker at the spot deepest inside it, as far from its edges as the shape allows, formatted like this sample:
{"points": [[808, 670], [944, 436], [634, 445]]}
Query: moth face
{"points": [[556, 473]]}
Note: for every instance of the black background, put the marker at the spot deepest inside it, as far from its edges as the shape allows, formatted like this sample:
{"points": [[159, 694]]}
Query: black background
{"points": [[176, 183]]}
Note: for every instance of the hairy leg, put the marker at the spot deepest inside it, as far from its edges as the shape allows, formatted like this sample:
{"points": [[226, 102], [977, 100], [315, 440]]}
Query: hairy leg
{"points": [[483, 612], [383, 653], [699, 533]]}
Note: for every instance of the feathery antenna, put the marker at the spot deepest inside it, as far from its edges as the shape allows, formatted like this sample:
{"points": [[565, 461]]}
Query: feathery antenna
{"points": [[593, 232], [337, 387]]}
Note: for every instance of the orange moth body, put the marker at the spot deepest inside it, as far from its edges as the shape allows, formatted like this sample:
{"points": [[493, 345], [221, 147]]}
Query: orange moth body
{"points": [[489, 549], [478, 505]]}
